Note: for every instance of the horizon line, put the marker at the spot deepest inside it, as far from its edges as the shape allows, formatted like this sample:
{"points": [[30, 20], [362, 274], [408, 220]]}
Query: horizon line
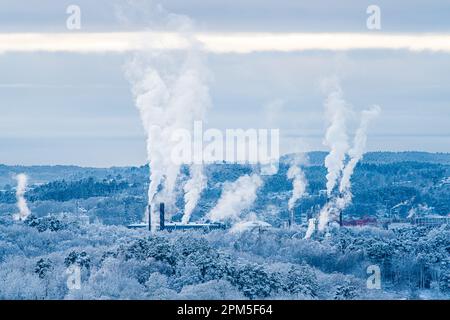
{"points": [[145, 164]]}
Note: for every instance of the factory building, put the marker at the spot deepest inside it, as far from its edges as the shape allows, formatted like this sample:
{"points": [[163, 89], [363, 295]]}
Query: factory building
{"points": [[174, 226], [431, 221]]}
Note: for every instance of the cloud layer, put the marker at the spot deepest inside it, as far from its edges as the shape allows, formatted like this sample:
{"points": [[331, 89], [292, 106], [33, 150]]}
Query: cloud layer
{"points": [[241, 43]]}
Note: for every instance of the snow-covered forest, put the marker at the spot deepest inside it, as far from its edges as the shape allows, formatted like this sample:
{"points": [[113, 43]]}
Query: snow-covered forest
{"points": [[79, 216], [118, 263]]}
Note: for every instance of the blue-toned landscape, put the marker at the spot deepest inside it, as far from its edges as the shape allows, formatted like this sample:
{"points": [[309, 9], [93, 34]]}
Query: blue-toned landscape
{"points": [[80, 217], [206, 151]]}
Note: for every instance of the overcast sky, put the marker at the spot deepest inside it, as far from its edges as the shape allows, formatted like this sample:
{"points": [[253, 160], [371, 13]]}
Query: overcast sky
{"points": [[76, 107]]}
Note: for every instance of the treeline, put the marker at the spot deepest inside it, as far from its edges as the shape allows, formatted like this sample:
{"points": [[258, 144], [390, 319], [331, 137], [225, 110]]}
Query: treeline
{"points": [[81, 189], [377, 189]]}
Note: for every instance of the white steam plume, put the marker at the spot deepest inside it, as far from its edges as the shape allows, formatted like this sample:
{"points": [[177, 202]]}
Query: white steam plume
{"points": [[333, 209], [336, 137], [296, 174], [335, 161], [324, 217], [236, 197], [249, 223], [193, 189], [170, 91], [359, 145], [330, 212], [24, 211], [311, 228]]}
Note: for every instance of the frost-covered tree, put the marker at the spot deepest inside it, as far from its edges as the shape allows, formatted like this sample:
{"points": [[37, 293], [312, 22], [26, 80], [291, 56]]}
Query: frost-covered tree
{"points": [[211, 290], [300, 281], [345, 291], [43, 267], [80, 259], [253, 281]]}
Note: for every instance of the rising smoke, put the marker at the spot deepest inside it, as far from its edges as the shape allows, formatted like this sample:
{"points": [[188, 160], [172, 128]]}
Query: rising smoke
{"points": [[170, 91], [192, 191], [311, 228], [333, 209], [299, 183], [336, 138], [250, 222], [359, 145], [338, 114], [237, 197], [24, 211]]}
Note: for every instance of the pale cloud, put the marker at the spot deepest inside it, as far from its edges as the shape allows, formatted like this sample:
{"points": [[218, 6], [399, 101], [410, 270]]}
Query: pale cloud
{"points": [[220, 43]]}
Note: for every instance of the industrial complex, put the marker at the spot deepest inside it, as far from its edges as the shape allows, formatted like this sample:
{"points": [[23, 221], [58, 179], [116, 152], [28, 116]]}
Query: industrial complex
{"points": [[175, 225]]}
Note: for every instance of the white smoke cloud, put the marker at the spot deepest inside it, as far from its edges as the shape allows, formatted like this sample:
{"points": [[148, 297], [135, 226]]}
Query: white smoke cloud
{"points": [[237, 197], [331, 211], [311, 228], [336, 138], [24, 211], [324, 216], [338, 113], [193, 189], [251, 222], [299, 183], [170, 91], [359, 145]]}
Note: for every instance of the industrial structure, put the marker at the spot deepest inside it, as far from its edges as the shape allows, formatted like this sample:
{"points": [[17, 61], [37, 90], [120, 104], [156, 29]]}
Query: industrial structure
{"points": [[173, 226], [364, 221], [431, 221]]}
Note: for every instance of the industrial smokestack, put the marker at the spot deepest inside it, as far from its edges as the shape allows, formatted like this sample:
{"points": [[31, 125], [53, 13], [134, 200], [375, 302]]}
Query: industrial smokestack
{"points": [[291, 218], [170, 90], [161, 216], [149, 212]]}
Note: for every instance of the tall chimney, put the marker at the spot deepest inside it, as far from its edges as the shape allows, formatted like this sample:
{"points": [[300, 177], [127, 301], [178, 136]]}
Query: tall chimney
{"points": [[161, 216], [149, 209], [291, 218]]}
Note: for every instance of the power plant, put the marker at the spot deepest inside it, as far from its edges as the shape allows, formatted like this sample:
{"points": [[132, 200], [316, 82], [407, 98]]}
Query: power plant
{"points": [[174, 226]]}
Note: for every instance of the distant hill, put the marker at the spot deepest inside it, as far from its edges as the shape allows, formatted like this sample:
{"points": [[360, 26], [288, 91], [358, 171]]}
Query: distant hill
{"points": [[318, 157], [44, 174], [118, 195]]}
